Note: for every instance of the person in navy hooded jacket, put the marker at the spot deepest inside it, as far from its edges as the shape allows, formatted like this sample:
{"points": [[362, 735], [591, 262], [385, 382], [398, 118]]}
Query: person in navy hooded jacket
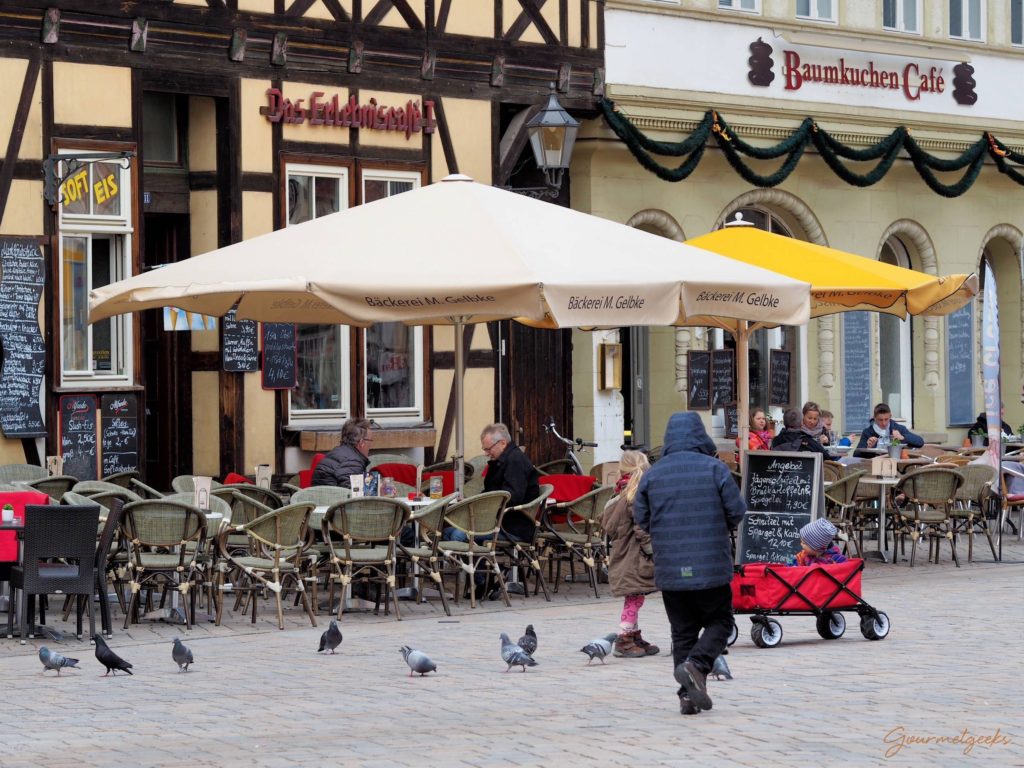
{"points": [[688, 502]]}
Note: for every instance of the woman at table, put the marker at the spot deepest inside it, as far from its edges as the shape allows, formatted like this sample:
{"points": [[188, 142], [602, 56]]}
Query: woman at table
{"points": [[760, 437]]}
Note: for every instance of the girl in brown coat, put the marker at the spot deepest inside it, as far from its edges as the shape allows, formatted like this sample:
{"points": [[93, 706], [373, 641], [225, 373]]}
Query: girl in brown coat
{"points": [[630, 564]]}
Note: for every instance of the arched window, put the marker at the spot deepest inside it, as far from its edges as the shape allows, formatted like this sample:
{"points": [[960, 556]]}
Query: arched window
{"points": [[895, 361]]}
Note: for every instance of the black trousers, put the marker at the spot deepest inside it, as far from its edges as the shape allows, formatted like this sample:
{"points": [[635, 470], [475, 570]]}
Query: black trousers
{"points": [[690, 612]]}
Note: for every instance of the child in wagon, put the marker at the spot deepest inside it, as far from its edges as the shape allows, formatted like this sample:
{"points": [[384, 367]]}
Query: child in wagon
{"points": [[816, 544]]}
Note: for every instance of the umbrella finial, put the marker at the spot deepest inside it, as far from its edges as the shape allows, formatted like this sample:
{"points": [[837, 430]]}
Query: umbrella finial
{"points": [[738, 221], [457, 177]]}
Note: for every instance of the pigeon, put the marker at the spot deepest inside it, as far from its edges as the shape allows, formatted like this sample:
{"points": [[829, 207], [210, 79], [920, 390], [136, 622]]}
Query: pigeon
{"points": [[109, 659], [330, 639], [720, 669], [599, 648], [418, 661], [53, 660], [515, 656], [528, 642], [181, 654]]}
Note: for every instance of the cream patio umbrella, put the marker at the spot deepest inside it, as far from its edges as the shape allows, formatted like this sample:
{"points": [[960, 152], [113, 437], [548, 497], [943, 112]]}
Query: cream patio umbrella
{"points": [[458, 252], [840, 282]]}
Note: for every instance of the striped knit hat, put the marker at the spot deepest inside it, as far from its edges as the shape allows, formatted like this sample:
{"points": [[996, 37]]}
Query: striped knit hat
{"points": [[818, 534]]}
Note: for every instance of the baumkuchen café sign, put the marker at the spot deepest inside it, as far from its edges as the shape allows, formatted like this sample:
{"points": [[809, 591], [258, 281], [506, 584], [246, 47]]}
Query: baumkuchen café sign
{"points": [[320, 110], [914, 79]]}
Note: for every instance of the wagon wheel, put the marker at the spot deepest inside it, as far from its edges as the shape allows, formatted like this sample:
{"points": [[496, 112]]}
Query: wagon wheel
{"points": [[766, 634], [874, 627], [832, 625], [733, 634]]}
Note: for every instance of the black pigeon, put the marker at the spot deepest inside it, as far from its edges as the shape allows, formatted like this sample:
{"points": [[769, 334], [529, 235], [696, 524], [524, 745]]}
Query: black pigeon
{"points": [[53, 660], [181, 654], [528, 642], [109, 659], [330, 639]]}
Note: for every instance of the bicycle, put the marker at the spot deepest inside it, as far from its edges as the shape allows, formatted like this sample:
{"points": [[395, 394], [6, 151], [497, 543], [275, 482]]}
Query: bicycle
{"points": [[570, 465]]}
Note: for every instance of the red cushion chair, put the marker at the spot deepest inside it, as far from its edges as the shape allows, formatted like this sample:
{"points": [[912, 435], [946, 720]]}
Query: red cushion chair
{"points": [[18, 500], [567, 488], [447, 480], [233, 478], [402, 473], [306, 475]]}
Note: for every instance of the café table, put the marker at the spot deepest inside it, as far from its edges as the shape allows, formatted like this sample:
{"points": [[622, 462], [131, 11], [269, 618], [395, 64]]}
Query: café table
{"points": [[883, 483]]}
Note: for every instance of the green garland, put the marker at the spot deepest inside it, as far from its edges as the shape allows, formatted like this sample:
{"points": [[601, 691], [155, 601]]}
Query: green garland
{"points": [[832, 151]]}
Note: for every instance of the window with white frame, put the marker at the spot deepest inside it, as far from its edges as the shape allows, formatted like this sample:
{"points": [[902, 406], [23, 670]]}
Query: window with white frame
{"points": [[967, 19], [1017, 22], [817, 10], [902, 15], [393, 352], [895, 352], [322, 392], [95, 250], [752, 6]]}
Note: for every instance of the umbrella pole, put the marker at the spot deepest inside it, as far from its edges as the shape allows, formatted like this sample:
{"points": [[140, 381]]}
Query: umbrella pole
{"points": [[743, 392], [459, 406]]}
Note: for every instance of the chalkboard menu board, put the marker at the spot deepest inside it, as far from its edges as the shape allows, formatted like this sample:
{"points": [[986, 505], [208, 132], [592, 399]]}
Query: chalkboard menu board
{"points": [[698, 380], [79, 436], [238, 347], [723, 378], [279, 356], [779, 373], [732, 420], [783, 492], [856, 370], [960, 368], [119, 433], [24, 354]]}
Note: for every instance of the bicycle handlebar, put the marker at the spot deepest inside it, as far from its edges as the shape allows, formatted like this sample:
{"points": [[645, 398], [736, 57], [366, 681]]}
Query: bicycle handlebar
{"points": [[586, 444], [578, 443]]}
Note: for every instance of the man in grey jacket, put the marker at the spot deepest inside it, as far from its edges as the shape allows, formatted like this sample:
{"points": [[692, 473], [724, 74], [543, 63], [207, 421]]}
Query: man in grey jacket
{"points": [[687, 502], [349, 458]]}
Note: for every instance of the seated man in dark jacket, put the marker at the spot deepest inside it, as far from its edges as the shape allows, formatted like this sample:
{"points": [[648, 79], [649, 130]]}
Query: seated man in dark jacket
{"points": [[349, 458], [981, 425], [688, 502], [793, 438], [882, 430]]}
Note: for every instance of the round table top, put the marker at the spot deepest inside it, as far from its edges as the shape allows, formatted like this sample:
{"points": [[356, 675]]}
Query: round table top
{"points": [[878, 480]]}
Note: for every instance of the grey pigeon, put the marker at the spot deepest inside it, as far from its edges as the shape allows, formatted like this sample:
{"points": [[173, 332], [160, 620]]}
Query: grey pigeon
{"points": [[330, 639], [528, 642], [53, 660], [515, 656], [418, 661], [599, 648], [181, 654], [720, 669], [109, 659]]}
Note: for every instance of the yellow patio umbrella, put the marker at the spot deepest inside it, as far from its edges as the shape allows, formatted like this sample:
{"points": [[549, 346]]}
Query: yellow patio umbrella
{"points": [[840, 282]]}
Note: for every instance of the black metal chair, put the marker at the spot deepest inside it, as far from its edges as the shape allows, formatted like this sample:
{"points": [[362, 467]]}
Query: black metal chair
{"points": [[59, 557]]}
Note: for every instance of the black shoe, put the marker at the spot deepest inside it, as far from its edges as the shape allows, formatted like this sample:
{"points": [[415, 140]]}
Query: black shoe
{"points": [[695, 683], [687, 707]]}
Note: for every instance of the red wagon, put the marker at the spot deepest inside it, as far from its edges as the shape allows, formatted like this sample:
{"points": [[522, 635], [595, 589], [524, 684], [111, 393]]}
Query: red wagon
{"points": [[823, 591]]}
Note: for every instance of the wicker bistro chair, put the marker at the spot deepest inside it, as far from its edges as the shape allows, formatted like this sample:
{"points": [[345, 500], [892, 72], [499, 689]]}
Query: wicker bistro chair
{"points": [[17, 473], [580, 537], [184, 484], [275, 559], [54, 487], [319, 553], [479, 518], [930, 497], [832, 471], [969, 512], [59, 558], [840, 506], [525, 555], [108, 531], [362, 534], [165, 542], [425, 554], [92, 487]]}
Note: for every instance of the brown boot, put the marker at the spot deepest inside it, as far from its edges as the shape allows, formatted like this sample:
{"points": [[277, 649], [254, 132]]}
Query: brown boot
{"points": [[626, 647], [648, 648]]}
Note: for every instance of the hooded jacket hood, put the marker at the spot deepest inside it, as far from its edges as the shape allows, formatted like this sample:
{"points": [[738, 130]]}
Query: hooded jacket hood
{"points": [[685, 432]]}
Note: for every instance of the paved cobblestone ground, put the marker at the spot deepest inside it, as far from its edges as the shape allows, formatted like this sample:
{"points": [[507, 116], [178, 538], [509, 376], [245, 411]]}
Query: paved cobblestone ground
{"points": [[950, 669]]}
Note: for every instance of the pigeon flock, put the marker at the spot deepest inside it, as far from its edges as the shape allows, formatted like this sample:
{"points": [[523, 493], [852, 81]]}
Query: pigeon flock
{"points": [[519, 654]]}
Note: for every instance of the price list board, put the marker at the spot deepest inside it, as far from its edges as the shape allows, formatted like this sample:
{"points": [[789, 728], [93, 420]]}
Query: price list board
{"points": [[24, 353]]}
